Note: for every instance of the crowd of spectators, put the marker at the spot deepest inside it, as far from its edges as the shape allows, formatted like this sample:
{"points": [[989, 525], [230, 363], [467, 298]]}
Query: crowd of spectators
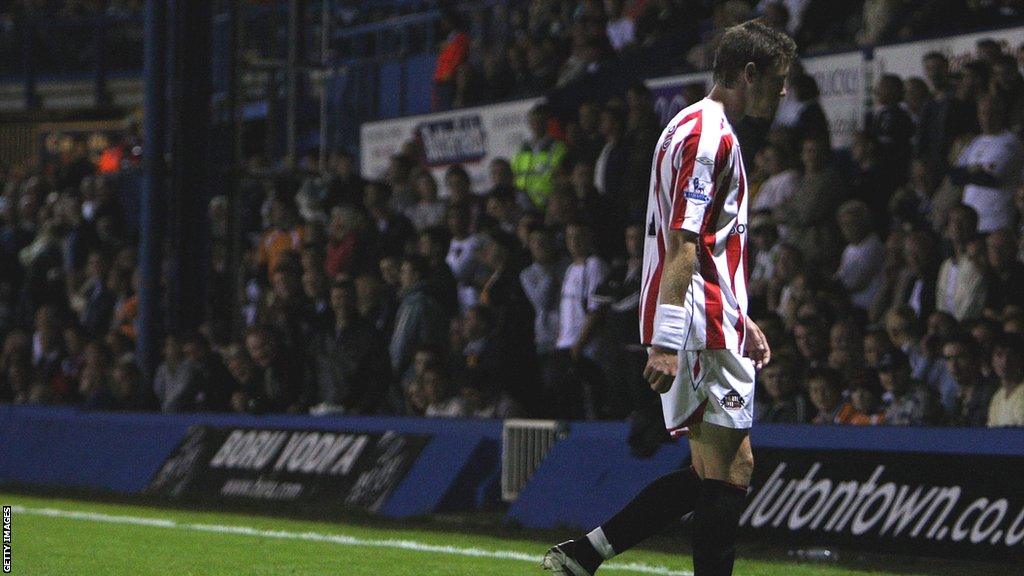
{"points": [[525, 48], [889, 280]]}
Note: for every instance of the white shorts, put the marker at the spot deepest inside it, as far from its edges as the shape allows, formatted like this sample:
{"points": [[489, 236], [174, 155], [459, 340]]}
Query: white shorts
{"points": [[715, 386]]}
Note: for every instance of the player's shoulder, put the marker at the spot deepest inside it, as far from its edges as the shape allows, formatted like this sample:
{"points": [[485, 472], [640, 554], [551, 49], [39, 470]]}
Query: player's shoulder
{"points": [[704, 118]]}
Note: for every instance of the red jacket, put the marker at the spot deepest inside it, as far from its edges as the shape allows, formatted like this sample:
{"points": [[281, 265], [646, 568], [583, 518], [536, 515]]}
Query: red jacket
{"points": [[453, 53]]}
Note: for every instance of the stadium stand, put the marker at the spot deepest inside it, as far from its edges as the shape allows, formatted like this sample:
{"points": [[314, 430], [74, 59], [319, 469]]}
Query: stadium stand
{"points": [[889, 278]]}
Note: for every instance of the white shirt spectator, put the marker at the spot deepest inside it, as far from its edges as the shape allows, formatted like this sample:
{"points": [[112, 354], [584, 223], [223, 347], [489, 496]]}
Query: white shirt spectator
{"points": [[462, 259], [776, 190], [543, 288], [860, 270], [581, 281], [1002, 156], [961, 289], [621, 33]]}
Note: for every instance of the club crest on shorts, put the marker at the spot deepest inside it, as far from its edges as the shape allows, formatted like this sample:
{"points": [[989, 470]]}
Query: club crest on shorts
{"points": [[732, 401]]}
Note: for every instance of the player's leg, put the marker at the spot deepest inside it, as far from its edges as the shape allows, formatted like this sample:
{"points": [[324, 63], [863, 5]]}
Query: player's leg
{"points": [[727, 467], [659, 505], [722, 446]]}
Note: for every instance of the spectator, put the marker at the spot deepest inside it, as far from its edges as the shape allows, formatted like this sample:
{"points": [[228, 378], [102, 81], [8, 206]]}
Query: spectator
{"points": [[453, 54], [460, 194], [283, 235], [484, 358], [502, 209], [285, 307], [275, 385], [891, 125], [826, 391], [874, 180], [906, 403], [990, 167], [804, 219], [389, 230], [961, 288], [589, 142], [212, 377], [1005, 272], [621, 29], [577, 343], [934, 130], [782, 179], [94, 302], [918, 204], [428, 211], [880, 20], [535, 163], [344, 184], [916, 283], [612, 167], [343, 242], [764, 245], [176, 384], [503, 294], [919, 102], [974, 391], [811, 342], [419, 319], [1007, 404], [861, 262], [127, 392], [438, 398], [810, 122], [399, 178], [464, 255], [618, 298], [785, 403], [348, 371], [542, 284]]}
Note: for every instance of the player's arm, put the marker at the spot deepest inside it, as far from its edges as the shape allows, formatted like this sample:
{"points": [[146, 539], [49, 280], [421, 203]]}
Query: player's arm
{"points": [[663, 359]]}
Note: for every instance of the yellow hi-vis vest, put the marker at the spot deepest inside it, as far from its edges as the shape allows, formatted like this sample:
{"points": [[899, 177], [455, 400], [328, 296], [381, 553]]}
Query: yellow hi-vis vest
{"points": [[534, 171]]}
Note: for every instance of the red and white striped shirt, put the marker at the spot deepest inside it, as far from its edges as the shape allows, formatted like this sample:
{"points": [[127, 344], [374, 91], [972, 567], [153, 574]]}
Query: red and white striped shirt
{"points": [[698, 183]]}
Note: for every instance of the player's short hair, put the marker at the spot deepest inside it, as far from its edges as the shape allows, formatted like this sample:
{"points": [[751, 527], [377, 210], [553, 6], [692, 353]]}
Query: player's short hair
{"points": [[751, 41], [935, 55]]}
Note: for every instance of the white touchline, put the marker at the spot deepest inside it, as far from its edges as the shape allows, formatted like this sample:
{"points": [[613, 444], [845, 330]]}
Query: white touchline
{"points": [[331, 538]]}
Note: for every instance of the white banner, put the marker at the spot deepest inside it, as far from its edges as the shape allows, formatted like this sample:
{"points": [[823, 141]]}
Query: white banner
{"points": [[843, 86], [904, 60], [840, 77], [471, 137]]}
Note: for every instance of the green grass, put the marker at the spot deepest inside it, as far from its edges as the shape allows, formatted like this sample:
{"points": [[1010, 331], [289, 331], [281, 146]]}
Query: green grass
{"points": [[45, 545]]}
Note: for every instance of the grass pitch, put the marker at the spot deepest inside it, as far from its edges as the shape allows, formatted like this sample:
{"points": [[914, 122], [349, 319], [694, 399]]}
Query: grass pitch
{"points": [[57, 537]]}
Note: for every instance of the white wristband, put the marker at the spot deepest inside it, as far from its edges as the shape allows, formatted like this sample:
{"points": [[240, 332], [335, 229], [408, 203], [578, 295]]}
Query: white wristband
{"points": [[669, 327]]}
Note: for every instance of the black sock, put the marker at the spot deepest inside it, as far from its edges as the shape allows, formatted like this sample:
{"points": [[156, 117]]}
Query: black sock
{"points": [[716, 520], [659, 505], [585, 553]]}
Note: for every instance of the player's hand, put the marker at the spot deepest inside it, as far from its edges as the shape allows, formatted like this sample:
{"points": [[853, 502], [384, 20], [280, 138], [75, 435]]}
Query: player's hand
{"points": [[755, 346], [662, 366]]}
